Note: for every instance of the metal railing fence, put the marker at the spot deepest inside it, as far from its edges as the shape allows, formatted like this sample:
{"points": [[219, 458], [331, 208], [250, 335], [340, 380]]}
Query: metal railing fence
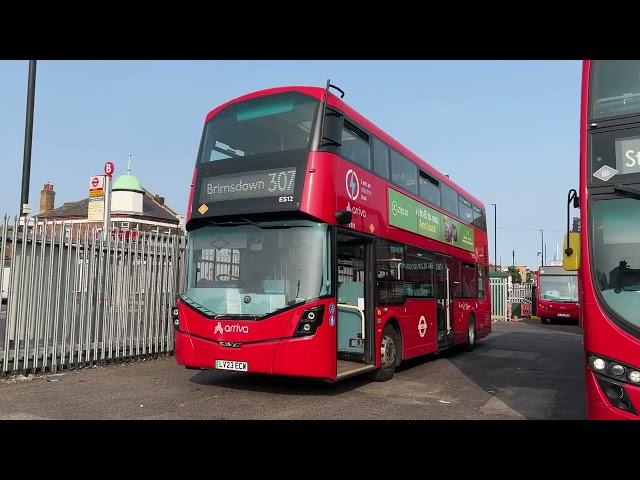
{"points": [[75, 296]]}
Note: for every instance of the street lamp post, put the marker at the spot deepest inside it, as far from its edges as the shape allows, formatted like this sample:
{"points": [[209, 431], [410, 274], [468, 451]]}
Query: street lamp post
{"points": [[542, 248], [495, 237], [28, 137]]}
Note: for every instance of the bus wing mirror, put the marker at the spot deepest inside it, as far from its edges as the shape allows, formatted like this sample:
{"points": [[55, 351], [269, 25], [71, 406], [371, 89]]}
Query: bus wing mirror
{"points": [[571, 254], [344, 217], [576, 202]]}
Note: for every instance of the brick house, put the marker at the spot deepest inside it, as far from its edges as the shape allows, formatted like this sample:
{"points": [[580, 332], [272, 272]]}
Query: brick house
{"points": [[133, 208]]}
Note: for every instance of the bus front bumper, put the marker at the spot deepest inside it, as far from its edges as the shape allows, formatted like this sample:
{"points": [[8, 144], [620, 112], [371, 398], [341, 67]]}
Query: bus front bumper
{"points": [[289, 356]]}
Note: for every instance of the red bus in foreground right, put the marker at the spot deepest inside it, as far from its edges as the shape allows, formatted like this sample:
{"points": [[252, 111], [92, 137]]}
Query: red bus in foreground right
{"points": [[606, 253]]}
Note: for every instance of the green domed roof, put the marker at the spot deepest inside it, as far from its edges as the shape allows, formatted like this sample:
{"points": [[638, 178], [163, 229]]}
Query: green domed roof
{"points": [[127, 182]]}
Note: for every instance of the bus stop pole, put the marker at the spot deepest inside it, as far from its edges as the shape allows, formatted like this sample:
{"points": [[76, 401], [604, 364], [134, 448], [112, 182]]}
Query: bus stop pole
{"points": [[106, 227]]}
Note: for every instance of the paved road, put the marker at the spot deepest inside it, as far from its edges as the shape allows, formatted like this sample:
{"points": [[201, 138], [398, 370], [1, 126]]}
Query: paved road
{"points": [[523, 370]]}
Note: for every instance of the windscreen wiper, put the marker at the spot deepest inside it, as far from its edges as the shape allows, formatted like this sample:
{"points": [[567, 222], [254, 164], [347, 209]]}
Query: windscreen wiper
{"points": [[193, 303], [250, 222], [237, 316], [227, 152], [230, 223], [627, 190]]}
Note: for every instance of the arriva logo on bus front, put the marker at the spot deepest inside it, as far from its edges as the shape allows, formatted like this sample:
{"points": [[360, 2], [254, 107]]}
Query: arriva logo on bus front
{"points": [[230, 329]]}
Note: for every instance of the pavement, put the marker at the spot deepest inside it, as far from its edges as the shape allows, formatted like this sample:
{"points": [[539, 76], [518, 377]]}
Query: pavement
{"points": [[522, 370]]}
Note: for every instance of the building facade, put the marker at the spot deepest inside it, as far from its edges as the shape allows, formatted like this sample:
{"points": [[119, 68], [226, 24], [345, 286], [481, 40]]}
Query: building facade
{"points": [[133, 209]]}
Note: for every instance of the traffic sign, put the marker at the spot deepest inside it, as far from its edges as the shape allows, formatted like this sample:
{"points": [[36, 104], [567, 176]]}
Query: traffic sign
{"points": [[422, 326], [109, 168], [96, 209], [96, 182]]}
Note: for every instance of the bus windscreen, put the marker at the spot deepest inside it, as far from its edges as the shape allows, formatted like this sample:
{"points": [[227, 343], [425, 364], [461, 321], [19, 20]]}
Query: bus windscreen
{"points": [[615, 88]]}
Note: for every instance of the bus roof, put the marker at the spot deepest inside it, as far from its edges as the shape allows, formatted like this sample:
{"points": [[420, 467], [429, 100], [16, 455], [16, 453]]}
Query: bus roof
{"points": [[554, 270], [334, 101]]}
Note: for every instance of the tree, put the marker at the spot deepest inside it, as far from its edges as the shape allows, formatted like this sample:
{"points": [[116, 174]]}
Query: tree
{"points": [[515, 274]]}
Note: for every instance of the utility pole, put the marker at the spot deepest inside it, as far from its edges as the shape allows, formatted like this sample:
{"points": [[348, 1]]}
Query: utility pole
{"points": [[542, 248], [495, 236], [513, 253], [28, 140]]}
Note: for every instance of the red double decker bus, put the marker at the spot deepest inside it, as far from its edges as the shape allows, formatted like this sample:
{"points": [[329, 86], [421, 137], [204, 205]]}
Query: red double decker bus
{"points": [[321, 247], [556, 294], [606, 253]]}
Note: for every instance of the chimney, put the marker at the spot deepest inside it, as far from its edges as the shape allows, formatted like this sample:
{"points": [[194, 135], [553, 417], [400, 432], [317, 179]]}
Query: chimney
{"points": [[159, 199], [47, 198]]}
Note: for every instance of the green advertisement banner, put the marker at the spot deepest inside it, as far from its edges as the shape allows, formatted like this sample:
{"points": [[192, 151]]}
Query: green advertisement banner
{"points": [[415, 217]]}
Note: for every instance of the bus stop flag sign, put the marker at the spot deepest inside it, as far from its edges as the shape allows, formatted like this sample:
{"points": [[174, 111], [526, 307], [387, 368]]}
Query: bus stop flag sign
{"points": [[96, 198]]}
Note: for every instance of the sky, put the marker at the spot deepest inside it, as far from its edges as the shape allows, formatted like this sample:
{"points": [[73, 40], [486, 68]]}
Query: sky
{"points": [[506, 131]]}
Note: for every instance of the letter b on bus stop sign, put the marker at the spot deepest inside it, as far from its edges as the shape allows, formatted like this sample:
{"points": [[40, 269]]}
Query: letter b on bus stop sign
{"points": [[109, 169]]}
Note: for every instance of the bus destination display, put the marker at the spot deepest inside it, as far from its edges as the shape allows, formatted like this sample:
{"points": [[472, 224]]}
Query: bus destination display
{"points": [[256, 184], [628, 154]]}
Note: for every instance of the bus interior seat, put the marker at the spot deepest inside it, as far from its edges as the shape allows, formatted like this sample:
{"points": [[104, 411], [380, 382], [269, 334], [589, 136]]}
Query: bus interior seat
{"points": [[349, 329], [350, 317], [350, 292]]}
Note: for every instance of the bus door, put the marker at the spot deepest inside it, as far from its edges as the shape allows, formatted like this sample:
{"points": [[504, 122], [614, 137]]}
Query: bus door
{"points": [[444, 301], [355, 304]]}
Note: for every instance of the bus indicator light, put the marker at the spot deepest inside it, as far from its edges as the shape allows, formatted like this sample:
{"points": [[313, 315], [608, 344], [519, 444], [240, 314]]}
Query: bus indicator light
{"points": [[617, 370]]}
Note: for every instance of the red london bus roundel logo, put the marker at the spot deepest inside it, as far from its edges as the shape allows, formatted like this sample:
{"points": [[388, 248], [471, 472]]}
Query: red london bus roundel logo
{"points": [[353, 185]]}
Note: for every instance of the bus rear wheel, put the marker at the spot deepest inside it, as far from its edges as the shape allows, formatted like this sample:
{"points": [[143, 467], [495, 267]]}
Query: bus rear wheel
{"points": [[471, 334], [389, 354]]}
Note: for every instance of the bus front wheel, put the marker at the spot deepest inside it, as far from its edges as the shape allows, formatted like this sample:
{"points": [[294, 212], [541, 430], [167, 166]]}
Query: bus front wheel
{"points": [[389, 354]]}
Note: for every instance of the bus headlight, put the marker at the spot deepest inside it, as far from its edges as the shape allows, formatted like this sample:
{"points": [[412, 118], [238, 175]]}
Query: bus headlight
{"points": [[612, 376], [309, 321], [175, 317], [598, 364]]}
